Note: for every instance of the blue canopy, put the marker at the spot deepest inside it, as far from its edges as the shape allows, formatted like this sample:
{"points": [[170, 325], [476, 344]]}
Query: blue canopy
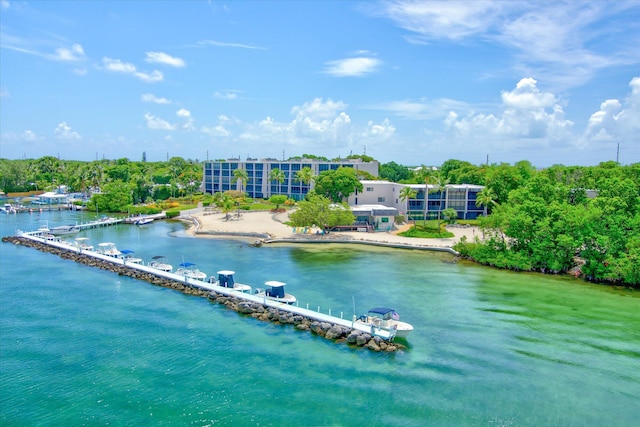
{"points": [[186, 264], [126, 251], [385, 313]]}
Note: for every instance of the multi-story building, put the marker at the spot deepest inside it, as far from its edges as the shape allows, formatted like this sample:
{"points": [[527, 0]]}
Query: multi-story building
{"points": [[218, 175], [429, 200]]}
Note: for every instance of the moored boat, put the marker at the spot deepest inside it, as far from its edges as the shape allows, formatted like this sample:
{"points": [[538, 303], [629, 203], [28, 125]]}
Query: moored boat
{"points": [[64, 229], [190, 270], [81, 243], [127, 256], [386, 319], [226, 280], [275, 291], [143, 220], [159, 262], [109, 249]]}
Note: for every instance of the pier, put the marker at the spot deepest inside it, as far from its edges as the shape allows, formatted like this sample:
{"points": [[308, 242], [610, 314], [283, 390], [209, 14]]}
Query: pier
{"points": [[326, 325]]}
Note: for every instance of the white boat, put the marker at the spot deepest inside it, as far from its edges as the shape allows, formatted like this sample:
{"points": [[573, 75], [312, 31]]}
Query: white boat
{"points": [[275, 291], [127, 256], [159, 262], [189, 269], [81, 243], [226, 280], [109, 249], [143, 220], [387, 319], [64, 229], [8, 208]]}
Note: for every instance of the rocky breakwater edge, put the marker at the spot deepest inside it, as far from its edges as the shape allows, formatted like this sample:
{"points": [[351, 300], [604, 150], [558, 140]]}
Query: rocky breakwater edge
{"points": [[330, 331]]}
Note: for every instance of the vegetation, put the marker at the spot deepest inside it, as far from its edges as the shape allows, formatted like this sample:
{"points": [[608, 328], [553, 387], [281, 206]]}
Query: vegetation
{"points": [[320, 211], [337, 185], [427, 230]]}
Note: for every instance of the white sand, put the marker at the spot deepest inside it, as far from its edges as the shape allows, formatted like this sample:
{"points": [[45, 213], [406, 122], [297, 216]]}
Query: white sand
{"points": [[268, 223]]}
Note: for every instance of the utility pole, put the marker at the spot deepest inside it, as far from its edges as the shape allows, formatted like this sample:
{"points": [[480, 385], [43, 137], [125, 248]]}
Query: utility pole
{"points": [[487, 159], [618, 154]]}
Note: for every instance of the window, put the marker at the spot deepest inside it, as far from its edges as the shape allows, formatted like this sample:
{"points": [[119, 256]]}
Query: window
{"points": [[369, 188], [384, 219], [380, 199]]}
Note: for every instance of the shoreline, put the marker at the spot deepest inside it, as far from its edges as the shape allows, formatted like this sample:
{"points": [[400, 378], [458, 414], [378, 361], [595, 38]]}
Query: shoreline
{"points": [[264, 227]]}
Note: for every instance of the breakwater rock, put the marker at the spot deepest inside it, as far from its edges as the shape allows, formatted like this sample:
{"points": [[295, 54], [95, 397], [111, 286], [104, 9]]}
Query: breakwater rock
{"points": [[258, 311]]}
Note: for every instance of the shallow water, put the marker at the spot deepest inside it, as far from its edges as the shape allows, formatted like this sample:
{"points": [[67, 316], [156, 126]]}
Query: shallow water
{"points": [[84, 346]]}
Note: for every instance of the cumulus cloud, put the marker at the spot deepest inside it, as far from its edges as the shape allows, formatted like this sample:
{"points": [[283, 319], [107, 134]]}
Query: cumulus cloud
{"points": [[64, 132], [352, 67], [156, 123], [526, 113], [164, 58], [616, 120], [185, 114], [30, 136], [118, 66], [149, 97]]}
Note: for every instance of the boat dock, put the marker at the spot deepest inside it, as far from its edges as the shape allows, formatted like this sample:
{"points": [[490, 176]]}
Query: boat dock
{"points": [[332, 327]]}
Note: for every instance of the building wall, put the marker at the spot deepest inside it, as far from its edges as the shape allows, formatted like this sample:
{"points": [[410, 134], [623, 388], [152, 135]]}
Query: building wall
{"points": [[428, 203], [218, 175]]}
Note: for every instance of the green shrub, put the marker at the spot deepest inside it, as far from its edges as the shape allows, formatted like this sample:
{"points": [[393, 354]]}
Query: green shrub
{"points": [[173, 213]]}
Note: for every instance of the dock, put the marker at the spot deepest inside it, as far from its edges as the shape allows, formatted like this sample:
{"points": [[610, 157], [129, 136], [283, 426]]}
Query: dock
{"points": [[376, 338]]}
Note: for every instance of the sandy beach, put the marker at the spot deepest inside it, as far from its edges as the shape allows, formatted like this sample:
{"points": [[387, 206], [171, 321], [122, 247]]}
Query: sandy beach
{"points": [[270, 227]]}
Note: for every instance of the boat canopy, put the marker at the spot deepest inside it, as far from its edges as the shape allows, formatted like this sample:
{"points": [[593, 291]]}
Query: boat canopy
{"points": [[385, 313], [186, 264], [225, 278], [276, 289]]}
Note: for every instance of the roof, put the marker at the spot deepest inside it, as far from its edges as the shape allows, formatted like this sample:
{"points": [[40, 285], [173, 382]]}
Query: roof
{"points": [[226, 272], [274, 284]]}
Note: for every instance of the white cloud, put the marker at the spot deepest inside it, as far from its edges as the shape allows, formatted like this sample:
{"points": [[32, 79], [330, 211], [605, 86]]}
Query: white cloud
{"points": [[557, 41], [383, 131], [75, 53], [4, 92], [617, 121], [149, 97], [30, 136], [80, 71], [188, 120], [228, 95], [527, 115], [118, 66], [157, 123], [4, 4], [352, 67], [166, 59], [227, 44], [63, 131]]}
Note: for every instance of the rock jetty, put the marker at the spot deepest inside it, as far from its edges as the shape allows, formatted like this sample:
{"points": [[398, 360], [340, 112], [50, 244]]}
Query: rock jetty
{"points": [[330, 331]]}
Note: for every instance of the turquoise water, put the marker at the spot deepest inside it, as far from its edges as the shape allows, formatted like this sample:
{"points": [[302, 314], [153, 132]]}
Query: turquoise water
{"points": [[82, 346]]}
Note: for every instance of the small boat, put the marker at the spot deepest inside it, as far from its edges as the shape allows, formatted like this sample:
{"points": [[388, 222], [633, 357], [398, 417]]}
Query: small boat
{"points": [[189, 269], [82, 245], [143, 220], [159, 262], [109, 249], [127, 256], [386, 319], [275, 292], [64, 229], [226, 280]]}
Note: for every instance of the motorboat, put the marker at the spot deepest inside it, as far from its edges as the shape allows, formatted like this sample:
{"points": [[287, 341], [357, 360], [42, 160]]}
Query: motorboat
{"points": [[127, 256], [226, 280], [275, 291], [64, 229], [109, 249], [81, 243], [159, 262], [143, 220], [386, 319], [189, 269]]}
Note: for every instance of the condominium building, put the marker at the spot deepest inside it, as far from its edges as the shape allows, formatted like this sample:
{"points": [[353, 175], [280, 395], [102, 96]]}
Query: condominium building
{"points": [[429, 200], [218, 175]]}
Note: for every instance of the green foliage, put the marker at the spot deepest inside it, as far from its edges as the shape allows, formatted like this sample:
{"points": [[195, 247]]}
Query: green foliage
{"points": [[143, 210], [320, 211], [173, 213], [394, 172], [278, 199], [336, 185], [427, 230], [115, 197]]}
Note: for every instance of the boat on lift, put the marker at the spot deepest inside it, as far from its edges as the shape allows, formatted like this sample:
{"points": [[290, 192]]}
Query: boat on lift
{"points": [[226, 280], [275, 291]]}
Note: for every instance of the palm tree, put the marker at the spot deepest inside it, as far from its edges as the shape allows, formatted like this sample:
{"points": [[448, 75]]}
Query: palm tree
{"points": [[407, 193], [305, 175], [486, 198], [278, 176], [242, 176]]}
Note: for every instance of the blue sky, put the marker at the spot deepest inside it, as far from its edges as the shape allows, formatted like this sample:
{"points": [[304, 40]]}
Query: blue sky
{"points": [[415, 82]]}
